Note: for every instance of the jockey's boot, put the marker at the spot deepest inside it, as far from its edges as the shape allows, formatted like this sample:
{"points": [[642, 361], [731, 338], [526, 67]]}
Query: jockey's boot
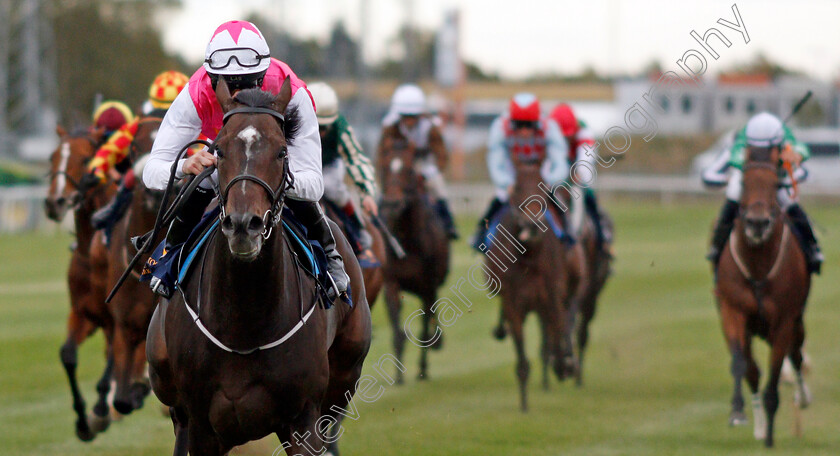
{"points": [[803, 226], [484, 222], [442, 208], [107, 216], [725, 221], [312, 216], [591, 206], [365, 241]]}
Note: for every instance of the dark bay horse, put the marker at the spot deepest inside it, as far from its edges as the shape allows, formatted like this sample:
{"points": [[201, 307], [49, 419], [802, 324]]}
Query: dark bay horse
{"points": [[133, 305], [542, 279], [278, 362], [374, 277], [411, 219], [87, 313], [761, 290]]}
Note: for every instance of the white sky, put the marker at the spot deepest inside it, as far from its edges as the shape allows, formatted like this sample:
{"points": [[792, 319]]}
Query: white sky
{"points": [[520, 37]]}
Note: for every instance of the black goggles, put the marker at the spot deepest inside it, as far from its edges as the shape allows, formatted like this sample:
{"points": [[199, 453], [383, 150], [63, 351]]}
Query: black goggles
{"points": [[520, 124], [245, 57]]}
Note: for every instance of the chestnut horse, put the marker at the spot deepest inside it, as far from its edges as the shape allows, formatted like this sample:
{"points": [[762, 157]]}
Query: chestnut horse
{"points": [[762, 285], [67, 166], [133, 305], [406, 212], [374, 277], [538, 273], [245, 350]]}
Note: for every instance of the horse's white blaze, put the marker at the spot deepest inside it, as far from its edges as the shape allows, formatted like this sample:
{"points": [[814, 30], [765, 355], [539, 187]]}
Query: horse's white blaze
{"points": [[61, 180], [759, 418], [396, 165], [249, 136]]}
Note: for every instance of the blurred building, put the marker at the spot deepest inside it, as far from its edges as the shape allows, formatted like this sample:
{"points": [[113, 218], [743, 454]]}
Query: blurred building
{"points": [[729, 100]]}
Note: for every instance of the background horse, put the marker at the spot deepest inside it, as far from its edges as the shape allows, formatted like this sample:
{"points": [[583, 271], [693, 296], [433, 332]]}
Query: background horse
{"points": [[133, 305], [374, 277], [595, 267], [762, 285], [291, 360], [537, 279], [68, 163], [409, 216]]}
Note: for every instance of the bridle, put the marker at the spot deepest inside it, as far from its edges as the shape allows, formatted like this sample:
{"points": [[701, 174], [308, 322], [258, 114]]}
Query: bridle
{"points": [[276, 196], [774, 210]]}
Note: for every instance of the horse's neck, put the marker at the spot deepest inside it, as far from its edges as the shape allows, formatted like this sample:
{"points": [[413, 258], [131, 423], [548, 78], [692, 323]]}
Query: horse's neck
{"points": [[248, 301], [81, 221], [759, 259]]}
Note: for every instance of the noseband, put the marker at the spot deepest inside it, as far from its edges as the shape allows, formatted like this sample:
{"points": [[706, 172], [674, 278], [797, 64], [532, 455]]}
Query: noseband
{"points": [[277, 196]]}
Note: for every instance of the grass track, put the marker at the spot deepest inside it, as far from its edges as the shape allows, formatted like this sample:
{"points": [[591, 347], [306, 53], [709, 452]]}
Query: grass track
{"points": [[657, 378]]}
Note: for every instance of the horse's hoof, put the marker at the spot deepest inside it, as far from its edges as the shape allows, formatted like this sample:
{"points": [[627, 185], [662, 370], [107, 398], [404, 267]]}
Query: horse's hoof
{"points": [[500, 333], [123, 407], [802, 397], [738, 419], [83, 431], [422, 376], [99, 424], [438, 344]]}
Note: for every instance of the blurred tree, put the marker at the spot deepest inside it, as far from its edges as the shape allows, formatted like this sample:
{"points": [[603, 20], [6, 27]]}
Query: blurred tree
{"points": [[762, 64], [341, 53], [305, 57], [108, 48]]}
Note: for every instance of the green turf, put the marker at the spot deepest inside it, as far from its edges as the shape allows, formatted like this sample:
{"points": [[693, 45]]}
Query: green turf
{"points": [[657, 377]]}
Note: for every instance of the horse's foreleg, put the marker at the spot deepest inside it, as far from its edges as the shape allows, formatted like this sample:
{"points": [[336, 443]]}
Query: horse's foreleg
{"points": [[500, 332], [180, 422], [734, 329], [201, 440], [802, 396], [587, 312], [303, 438], [124, 357], [101, 418], [394, 304], [523, 368], [78, 329], [140, 386], [424, 351], [781, 343]]}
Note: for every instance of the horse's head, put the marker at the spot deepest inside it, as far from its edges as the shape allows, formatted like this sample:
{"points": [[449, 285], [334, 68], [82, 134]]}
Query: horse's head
{"points": [[759, 207], [141, 147], [252, 164], [68, 163], [528, 178], [400, 181]]}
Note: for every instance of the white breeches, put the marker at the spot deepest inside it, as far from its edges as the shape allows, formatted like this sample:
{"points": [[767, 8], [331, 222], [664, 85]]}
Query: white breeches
{"points": [[335, 188]]}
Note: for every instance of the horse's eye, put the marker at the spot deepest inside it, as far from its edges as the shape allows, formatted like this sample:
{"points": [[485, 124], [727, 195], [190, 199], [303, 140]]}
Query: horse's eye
{"points": [[283, 153]]}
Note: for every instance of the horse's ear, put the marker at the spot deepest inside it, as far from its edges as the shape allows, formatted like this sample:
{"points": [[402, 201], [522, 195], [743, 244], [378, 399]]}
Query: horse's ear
{"points": [[285, 95], [223, 95], [60, 131]]}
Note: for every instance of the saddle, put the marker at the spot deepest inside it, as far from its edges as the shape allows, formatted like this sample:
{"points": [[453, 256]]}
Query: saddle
{"points": [[171, 268]]}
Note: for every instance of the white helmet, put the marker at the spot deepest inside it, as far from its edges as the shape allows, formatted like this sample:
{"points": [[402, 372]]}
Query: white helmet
{"points": [[408, 100], [764, 130], [237, 47], [326, 102]]}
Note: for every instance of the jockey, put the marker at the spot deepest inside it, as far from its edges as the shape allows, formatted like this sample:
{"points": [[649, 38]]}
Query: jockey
{"points": [[114, 153], [523, 132], [762, 130], [408, 120], [578, 137], [238, 53], [110, 116], [340, 153]]}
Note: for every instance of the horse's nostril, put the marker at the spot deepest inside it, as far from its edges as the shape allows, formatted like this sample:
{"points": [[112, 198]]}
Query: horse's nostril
{"points": [[60, 201], [227, 223], [256, 225]]}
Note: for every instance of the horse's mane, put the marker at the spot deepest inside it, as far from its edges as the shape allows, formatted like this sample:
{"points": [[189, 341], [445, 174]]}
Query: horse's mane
{"points": [[760, 154], [258, 98]]}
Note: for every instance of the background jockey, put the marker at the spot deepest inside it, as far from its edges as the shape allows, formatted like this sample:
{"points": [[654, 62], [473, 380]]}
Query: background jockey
{"points": [[238, 54], [524, 132], [408, 121], [341, 154], [762, 130], [110, 116], [113, 155], [579, 138]]}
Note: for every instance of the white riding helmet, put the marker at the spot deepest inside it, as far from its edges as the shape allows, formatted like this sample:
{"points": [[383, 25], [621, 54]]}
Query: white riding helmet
{"points": [[408, 100], [764, 130], [237, 47], [326, 102]]}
